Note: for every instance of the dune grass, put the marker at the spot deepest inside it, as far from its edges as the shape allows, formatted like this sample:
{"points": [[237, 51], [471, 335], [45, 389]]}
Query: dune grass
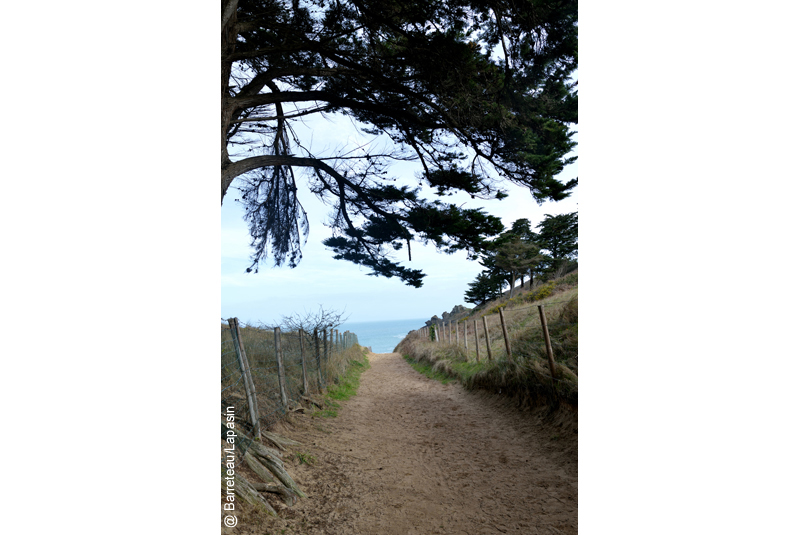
{"points": [[260, 347], [524, 375], [426, 369], [346, 385]]}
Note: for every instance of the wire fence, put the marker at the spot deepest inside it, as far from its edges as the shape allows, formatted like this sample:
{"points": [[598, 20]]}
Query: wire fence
{"points": [[266, 373], [514, 333]]}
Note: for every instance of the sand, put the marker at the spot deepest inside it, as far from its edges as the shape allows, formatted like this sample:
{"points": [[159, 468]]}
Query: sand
{"points": [[409, 455]]}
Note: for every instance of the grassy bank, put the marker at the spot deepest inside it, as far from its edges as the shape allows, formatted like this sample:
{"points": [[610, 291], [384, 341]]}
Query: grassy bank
{"points": [[333, 367], [345, 386], [525, 376]]}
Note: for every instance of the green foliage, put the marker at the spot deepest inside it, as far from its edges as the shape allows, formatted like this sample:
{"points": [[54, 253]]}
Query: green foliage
{"points": [[544, 291], [540, 293], [427, 370], [522, 229], [326, 413], [345, 388], [484, 288], [515, 257], [509, 257], [495, 309], [465, 370], [421, 72], [305, 458], [570, 279], [348, 384], [559, 236]]}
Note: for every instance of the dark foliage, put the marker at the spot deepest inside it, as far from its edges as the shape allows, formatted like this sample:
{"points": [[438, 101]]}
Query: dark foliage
{"points": [[558, 235], [484, 288], [470, 90]]}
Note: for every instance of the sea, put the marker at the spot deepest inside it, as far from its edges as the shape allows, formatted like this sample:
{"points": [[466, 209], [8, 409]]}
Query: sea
{"points": [[382, 336]]}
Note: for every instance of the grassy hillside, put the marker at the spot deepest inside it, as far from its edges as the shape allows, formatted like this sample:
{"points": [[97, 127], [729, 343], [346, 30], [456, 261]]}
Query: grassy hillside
{"points": [[332, 368], [524, 376]]}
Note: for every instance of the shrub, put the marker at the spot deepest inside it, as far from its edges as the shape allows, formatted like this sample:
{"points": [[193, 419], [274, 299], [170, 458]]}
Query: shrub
{"points": [[544, 291], [570, 279]]}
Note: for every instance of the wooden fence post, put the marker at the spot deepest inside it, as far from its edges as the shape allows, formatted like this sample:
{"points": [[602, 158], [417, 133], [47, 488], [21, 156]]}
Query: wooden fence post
{"points": [[548, 346], [319, 360], [435, 333], [325, 355], [466, 344], [303, 360], [477, 345], [505, 333], [249, 386], [486, 332], [458, 341], [281, 373]]}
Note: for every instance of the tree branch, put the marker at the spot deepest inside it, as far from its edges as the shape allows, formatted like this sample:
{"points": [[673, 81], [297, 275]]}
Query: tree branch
{"points": [[251, 101], [276, 117]]}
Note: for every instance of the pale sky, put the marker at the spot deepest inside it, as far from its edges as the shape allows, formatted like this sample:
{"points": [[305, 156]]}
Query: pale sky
{"points": [[343, 286]]}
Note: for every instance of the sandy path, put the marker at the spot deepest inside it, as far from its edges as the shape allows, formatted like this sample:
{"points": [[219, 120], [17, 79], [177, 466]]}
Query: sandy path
{"points": [[409, 455]]}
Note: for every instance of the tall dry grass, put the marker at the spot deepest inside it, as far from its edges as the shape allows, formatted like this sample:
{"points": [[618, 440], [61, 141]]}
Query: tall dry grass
{"points": [[259, 343], [525, 375]]}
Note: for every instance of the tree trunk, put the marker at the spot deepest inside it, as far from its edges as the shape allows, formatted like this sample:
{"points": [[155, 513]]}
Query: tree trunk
{"points": [[271, 462], [289, 497], [279, 441], [229, 35], [244, 490], [258, 468], [227, 113], [267, 465]]}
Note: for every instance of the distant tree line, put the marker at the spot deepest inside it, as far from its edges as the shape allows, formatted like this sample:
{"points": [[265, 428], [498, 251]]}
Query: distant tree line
{"points": [[520, 252]]}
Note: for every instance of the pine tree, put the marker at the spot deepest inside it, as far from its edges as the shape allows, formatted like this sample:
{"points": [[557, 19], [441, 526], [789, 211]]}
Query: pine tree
{"points": [[516, 256], [558, 235], [470, 90], [484, 288], [512, 254]]}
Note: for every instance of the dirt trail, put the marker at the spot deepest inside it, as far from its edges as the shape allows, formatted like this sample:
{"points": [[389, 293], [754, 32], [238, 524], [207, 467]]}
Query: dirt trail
{"points": [[409, 455]]}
